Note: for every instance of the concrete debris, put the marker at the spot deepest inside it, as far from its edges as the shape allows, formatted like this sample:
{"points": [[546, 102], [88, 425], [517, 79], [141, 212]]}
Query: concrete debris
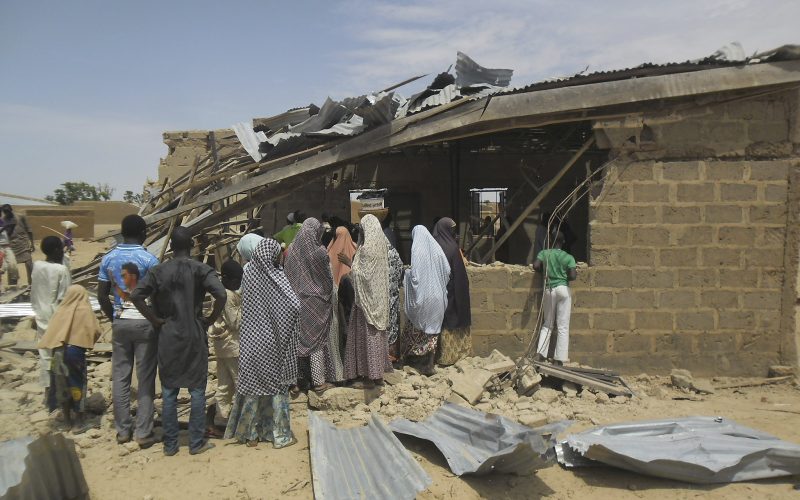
{"points": [[682, 379], [471, 383], [774, 371], [546, 395], [341, 398]]}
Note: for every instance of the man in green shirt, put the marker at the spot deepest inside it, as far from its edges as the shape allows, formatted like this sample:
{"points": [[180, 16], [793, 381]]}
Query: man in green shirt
{"points": [[559, 269], [294, 221]]}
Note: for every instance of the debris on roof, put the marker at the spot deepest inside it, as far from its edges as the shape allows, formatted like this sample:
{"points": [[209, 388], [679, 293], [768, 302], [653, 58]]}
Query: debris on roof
{"points": [[361, 462], [701, 450], [480, 443]]}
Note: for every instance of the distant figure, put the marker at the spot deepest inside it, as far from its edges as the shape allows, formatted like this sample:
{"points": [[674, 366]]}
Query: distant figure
{"points": [[286, 235], [20, 239], [72, 331], [133, 340], [487, 228], [49, 284], [559, 269], [69, 244], [177, 289], [556, 225], [225, 335]]}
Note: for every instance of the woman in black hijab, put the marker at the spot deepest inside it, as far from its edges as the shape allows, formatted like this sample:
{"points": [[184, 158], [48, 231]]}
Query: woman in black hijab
{"points": [[455, 342]]}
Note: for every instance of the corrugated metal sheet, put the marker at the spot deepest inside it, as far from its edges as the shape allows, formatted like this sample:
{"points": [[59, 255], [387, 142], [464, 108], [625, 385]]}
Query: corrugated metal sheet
{"points": [[352, 126], [361, 463], [47, 467], [468, 73], [703, 450], [474, 442], [249, 139], [329, 114], [24, 309]]}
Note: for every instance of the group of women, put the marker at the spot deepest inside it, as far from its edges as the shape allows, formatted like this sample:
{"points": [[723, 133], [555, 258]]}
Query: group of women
{"points": [[330, 315]]}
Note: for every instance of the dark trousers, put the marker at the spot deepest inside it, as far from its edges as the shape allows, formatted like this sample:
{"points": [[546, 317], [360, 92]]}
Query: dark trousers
{"points": [[197, 418]]}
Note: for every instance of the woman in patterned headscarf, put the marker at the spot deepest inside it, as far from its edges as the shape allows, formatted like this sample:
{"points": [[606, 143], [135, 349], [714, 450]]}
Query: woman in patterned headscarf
{"points": [[366, 353], [308, 269], [267, 352], [455, 341], [425, 297]]}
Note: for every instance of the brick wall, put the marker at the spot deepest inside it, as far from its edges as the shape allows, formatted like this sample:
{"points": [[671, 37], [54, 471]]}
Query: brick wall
{"points": [[687, 266]]}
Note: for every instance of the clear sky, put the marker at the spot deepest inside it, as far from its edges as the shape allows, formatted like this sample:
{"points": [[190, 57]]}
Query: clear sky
{"points": [[87, 86]]}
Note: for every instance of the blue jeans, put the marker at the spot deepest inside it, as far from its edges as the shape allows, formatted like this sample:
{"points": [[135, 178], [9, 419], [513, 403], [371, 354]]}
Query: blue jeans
{"points": [[197, 418]]}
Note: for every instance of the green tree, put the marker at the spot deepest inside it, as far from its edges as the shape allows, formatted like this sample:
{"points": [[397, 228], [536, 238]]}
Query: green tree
{"points": [[70, 192], [131, 197]]}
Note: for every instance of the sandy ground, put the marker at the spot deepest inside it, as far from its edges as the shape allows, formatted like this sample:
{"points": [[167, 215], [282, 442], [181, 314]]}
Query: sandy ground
{"points": [[235, 471]]}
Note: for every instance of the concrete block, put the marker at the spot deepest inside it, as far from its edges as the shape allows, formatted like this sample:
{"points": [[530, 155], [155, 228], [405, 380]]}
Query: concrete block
{"points": [[653, 320], [658, 193], [609, 235], [768, 131], [604, 257], [725, 133], [737, 236], [698, 277], [615, 192], [678, 343], [643, 278], [775, 192], [758, 111], [470, 384], [767, 257], [692, 235], [525, 280], [681, 215], [777, 170], [678, 257], [614, 278], [761, 300], [488, 320], [488, 277], [719, 299], [737, 320], [635, 299], [699, 321], [738, 278], [577, 321], [677, 299], [479, 300], [638, 171], [696, 192], [603, 213], [675, 134], [724, 171], [681, 171], [636, 257], [771, 237], [593, 300], [721, 257], [511, 300], [527, 320], [772, 279], [632, 342], [595, 342], [342, 398], [768, 214], [637, 214], [724, 213], [718, 342], [611, 321], [738, 192], [767, 320], [649, 236]]}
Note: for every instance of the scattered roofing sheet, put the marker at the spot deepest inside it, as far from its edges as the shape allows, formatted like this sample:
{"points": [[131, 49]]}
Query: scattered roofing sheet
{"points": [[47, 467], [703, 450], [362, 462], [24, 309], [468, 72], [474, 442]]}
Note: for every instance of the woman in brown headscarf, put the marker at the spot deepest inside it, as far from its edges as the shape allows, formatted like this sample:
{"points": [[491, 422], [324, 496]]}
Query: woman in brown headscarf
{"points": [[70, 332]]}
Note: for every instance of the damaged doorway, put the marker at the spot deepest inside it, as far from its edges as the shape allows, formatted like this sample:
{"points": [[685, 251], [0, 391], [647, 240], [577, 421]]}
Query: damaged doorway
{"points": [[486, 209]]}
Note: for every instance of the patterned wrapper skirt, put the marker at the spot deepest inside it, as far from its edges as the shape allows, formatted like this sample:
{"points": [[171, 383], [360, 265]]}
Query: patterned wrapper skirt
{"points": [[454, 345], [68, 378], [260, 418], [416, 342]]}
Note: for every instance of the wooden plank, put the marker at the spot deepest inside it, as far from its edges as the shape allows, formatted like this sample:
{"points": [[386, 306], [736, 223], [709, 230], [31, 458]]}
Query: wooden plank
{"points": [[538, 199], [564, 374], [13, 294], [756, 383]]}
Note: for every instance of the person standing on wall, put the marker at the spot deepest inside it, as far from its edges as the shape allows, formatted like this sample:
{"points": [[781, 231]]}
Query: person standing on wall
{"points": [[177, 289], [559, 269], [133, 340], [20, 237]]}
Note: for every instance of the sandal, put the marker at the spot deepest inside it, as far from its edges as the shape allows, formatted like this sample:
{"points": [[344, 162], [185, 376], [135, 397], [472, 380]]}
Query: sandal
{"points": [[324, 387], [252, 444]]}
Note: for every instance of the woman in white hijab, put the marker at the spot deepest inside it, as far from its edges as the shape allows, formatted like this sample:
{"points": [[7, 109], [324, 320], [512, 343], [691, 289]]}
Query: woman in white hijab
{"points": [[367, 349], [425, 287], [247, 246]]}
